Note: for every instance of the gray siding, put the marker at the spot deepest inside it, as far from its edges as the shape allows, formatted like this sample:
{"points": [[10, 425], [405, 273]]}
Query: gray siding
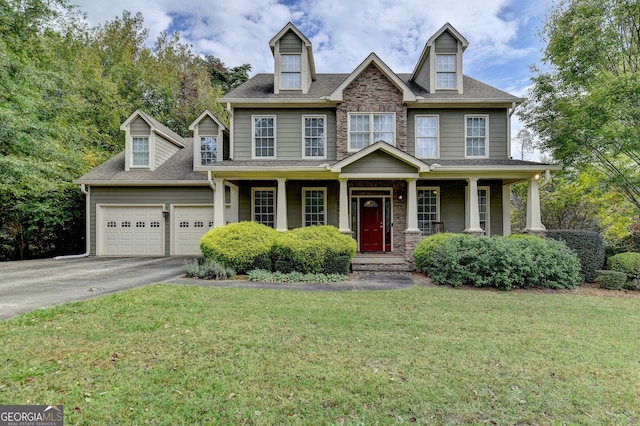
{"points": [[379, 162], [423, 77], [288, 132], [290, 43], [147, 195], [446, 43], [139, 127], [452, 137], [294, 200], [164, 150], [207, 127]]}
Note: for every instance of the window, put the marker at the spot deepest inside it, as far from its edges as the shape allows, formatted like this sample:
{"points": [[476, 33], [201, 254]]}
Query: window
{"points": [[367, 129], [428, 209], [476, 131], [314, 137], [264, 137], [315, 206], [427, 136], [208, 150], [483, 207], [264, 206], [290, 78], [445, 71], [140, 150]]}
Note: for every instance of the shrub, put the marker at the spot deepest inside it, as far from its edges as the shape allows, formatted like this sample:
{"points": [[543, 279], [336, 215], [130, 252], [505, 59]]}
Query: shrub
{"points": [[260, 275], [629, 243], [424, 249], [207, 269], [629, 264], [611, 280], [313, 249], [588, 245], [242, 246], [504, 263]]}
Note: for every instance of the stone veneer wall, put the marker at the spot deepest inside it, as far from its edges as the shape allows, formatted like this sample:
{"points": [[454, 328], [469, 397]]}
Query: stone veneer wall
{"points": [[371, 91]]}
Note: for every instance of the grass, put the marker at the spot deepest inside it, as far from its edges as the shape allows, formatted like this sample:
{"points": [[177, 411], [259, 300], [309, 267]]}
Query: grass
{"points": [[166, 354]]}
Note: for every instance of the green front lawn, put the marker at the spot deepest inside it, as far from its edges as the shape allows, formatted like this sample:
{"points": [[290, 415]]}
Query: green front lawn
{"points": [[167, 354]]}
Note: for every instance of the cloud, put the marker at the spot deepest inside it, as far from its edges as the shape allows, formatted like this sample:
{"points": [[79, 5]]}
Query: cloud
{"points": [[343, 32]]}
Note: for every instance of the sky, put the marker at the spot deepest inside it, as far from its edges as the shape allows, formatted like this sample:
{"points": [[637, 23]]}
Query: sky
{"points": [[503, 35]]}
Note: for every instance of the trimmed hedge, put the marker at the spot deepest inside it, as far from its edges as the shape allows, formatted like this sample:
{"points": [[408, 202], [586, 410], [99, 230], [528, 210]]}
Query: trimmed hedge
{"points": [[424, 249], [611, 280], [504, 263], [588, 245], [242, 246], [629, 264], [313, 250]]}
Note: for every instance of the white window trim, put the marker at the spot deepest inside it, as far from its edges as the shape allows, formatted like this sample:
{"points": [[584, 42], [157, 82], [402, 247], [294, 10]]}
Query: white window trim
{"points": [[487, 230], [454, 72], [283, 72], [149, 159], [486, 137], [304, 191], [305, 157], [437, 117], [200, 137], [253, 203], [430, 188], [253, 137], [371, 130]]}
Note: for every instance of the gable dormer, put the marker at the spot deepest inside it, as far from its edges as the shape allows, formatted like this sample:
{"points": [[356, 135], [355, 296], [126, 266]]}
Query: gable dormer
{"points": [[209, 139], [440, 65], [148, 143], [294, 69]]}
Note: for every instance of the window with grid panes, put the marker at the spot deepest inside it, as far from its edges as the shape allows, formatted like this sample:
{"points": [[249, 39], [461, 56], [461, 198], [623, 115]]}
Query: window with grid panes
{"points": [[264, 207], [427, 209], [314, 206]]}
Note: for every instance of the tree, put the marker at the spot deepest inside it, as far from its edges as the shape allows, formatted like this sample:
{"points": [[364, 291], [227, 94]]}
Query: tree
{"points": [[586, 108], [524, 139], [226, 78], [64, 91], [577, 200]]}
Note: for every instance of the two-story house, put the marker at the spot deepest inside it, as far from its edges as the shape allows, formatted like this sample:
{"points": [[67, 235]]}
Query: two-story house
{"points": [[387, 158]]}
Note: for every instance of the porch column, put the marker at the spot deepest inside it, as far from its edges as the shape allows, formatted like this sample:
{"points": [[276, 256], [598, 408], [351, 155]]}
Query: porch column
{"points": [[506, 209], [534, 223], [218, 203], [473, 227], [281, 203], [343, 220], [412, 206], [235, 202]]}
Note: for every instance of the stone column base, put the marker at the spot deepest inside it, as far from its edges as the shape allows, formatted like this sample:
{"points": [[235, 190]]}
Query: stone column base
{"points": [[411, 240], [474, 233], [542, 233]]}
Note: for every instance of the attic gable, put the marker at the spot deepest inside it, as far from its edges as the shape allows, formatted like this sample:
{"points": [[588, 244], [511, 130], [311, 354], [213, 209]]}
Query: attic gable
{"points": [[294, 67], [148, 143], [373, 59], [444, 73]]}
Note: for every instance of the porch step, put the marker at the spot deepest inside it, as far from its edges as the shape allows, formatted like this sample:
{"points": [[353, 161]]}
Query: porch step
{"points": [[380, 262]]}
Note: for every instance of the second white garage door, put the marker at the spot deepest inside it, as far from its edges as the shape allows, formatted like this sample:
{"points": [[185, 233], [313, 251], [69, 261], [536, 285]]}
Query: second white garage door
{"points": [[190, 223]]}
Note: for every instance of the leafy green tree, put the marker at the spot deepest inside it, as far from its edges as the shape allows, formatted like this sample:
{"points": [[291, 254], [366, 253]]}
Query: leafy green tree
{"points": [[577, 200], [226, 78], [585, 108], [64, 91]]}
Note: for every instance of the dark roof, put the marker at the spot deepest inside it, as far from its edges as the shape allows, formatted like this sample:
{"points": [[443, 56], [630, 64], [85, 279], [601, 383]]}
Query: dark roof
{"points": [[261, 87], [484, 162], [177, 168]]}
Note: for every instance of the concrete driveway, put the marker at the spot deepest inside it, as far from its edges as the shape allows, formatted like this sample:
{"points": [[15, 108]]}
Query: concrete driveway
{"points": [[31, 284]]}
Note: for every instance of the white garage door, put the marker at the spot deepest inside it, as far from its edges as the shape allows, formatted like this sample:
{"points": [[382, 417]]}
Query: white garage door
{"points": [[190, 223], [132, 231]]}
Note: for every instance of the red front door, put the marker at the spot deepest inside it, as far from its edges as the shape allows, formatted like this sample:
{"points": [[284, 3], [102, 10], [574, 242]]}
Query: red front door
{"points": [[371, 224]]}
